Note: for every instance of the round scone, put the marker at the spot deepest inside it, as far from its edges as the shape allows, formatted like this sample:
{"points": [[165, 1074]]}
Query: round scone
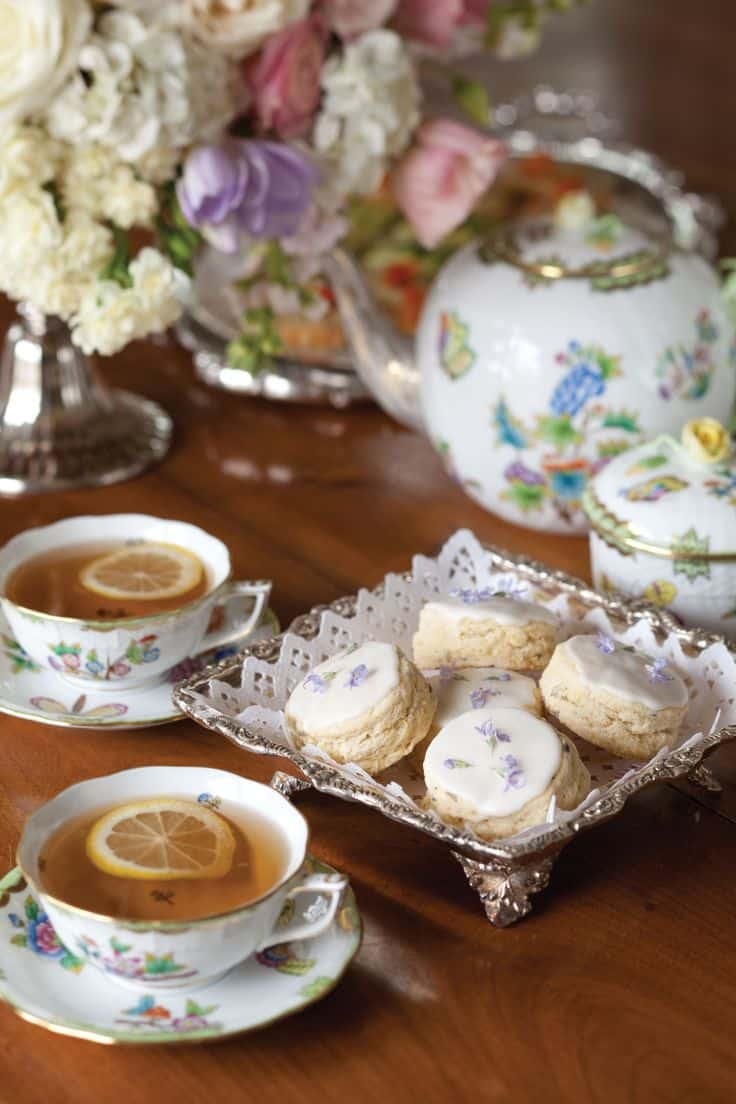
{"points": [[614, 697], [494, 772], [459, 689], [368, 705], [477, 629]]}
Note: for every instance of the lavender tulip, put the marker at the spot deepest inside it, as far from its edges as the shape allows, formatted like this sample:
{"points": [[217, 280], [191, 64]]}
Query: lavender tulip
{"points": [[260, 188]]}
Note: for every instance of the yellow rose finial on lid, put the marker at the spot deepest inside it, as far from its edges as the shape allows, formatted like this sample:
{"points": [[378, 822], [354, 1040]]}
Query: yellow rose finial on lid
{"points": [[706, 440]]}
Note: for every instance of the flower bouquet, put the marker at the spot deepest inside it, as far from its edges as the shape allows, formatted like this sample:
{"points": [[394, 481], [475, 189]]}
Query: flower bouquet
{"points": [[144, 141]]}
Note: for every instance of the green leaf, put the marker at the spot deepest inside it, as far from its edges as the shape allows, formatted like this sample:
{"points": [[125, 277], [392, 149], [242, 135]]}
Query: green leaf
{"points": [[161, 964], [621, 420], [296, 966], [19, 940], [70, 962], [194, 1009], [317, 987], [178, 239], [472, 97], [117, 946], [118, 267], [30, 907], [259, 342], [690, 544], [558, 430], [524, 496]]}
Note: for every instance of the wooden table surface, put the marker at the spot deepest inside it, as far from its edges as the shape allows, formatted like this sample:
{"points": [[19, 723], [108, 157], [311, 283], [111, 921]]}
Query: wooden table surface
{"points": [[620, 985]]}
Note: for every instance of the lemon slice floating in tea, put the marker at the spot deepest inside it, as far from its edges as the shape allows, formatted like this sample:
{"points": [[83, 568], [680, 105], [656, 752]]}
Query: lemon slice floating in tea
{"points": [[143, 571], [162, 839]]}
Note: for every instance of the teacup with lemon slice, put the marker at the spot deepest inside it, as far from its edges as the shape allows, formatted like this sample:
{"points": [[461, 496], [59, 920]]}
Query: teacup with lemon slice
{"points": [[119, 599], [166, 877]]}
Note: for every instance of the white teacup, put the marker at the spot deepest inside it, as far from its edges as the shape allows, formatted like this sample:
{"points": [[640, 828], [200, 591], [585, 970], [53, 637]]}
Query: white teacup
{"points": [[196, 952], [132, 651]]}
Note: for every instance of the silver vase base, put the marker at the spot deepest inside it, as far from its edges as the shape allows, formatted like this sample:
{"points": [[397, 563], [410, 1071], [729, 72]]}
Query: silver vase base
{"points": [[107, 440]]}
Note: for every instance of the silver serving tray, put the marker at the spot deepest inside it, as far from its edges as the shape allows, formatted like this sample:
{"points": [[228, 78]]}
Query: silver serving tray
{"points": [[507, 872]]}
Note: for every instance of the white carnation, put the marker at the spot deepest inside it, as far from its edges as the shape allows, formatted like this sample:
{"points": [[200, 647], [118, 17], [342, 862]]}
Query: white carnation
{"points": [[49, 262], [141, 86], [28, 158], [39, 43], [97, 181], [239, 27], [110, 316], [369, 111]]}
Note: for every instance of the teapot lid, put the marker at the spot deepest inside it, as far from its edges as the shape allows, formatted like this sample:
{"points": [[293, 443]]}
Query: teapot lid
{"points": [[675, 499], [578, 242]]}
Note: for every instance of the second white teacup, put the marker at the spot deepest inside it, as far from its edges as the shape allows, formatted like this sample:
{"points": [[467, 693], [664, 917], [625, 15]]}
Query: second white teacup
{"points": [[195, 952], [132, 651]]}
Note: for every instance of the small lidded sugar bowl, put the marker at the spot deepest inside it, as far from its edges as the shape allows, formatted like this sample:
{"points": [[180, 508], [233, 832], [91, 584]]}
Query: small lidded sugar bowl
{"points": [[663, 525]]}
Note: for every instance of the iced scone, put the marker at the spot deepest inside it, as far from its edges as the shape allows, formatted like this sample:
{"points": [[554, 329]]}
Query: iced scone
{"points": [[368, 705], [613, 696], [495, 771], [474, 628], [459, 689]]}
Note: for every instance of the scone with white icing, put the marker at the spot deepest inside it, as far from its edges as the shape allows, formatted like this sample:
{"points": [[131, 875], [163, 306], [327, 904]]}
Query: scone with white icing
{"points": [[613, 696], [368, 705], [476, 628], [460, 689], [495, 771]]}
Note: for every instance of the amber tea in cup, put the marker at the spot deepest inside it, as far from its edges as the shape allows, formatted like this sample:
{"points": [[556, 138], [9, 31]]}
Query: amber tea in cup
{"points": [[109, 580], [253, 865]]}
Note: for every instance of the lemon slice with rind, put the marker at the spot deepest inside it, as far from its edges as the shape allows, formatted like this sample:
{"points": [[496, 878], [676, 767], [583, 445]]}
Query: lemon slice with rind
{"points": [[162, 839], [147, 571]]}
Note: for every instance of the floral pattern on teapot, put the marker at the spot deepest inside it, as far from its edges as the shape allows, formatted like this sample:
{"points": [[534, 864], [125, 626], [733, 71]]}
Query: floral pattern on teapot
{"points": [[579, 432]]}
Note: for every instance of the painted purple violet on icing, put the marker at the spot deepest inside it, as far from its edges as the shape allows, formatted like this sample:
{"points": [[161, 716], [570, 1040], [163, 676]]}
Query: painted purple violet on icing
{"points": [[479, 697], [605, 643], [512, 773], [316, 683], [657, 671], [357, 676], [492, 735], [470, 597]]}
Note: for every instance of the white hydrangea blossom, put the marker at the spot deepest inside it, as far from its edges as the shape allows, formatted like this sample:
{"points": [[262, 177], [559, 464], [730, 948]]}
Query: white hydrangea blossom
{"points": [[95, 180], [369, 110], [110, 316], [141, 87]]}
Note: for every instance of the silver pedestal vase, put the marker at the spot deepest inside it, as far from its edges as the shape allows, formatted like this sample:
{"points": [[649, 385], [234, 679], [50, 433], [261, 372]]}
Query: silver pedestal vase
{"points": [[60, 428]]}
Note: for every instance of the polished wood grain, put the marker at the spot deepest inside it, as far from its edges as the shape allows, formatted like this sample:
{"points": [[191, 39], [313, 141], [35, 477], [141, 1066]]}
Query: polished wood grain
{"points": [[620, 986]]}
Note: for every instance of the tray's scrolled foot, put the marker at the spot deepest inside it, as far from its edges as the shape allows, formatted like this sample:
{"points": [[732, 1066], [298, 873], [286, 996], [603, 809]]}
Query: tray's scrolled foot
{"points": [[703, 777], [287, 784], [506, 893]]}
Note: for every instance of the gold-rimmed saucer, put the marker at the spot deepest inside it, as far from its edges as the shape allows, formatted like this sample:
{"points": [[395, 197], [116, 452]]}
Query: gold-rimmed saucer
{"points": [[49, 985], [39, 694]]}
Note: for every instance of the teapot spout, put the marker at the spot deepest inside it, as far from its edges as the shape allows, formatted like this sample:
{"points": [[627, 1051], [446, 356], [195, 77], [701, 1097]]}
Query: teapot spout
{"points": [[384, 358]]}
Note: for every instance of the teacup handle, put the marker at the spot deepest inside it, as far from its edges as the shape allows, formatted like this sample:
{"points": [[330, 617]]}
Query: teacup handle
{"points": [[330, 885], [260, 589]]}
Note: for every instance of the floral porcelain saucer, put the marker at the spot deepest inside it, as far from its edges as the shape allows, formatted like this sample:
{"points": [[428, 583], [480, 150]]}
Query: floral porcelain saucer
{"points": [[40, 694], [48, 985]]}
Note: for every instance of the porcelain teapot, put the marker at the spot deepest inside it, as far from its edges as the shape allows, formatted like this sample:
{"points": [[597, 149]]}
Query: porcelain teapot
{"points": [[547, 350]]}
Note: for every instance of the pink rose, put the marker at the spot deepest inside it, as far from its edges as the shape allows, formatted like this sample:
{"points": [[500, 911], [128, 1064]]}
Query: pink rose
{"points": [[440, 180], [348, 18], [285, 77], [433, 22]]}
